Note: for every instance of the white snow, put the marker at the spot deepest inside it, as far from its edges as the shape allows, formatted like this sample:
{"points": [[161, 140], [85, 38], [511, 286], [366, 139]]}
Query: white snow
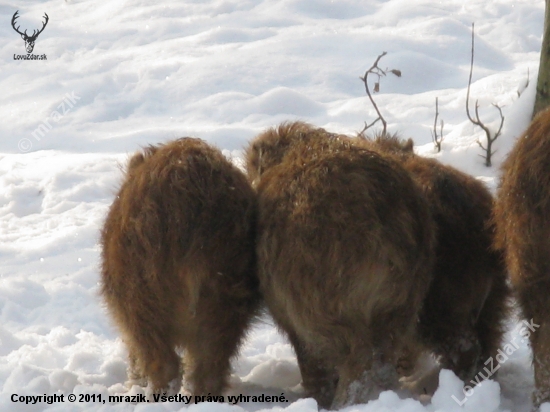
{"points": [[123, 74]]}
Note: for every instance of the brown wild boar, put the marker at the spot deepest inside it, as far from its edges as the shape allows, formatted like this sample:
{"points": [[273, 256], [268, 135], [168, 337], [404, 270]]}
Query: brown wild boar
{"points": [[178, 264], [522, 216], [344, 257], [462, 319]]}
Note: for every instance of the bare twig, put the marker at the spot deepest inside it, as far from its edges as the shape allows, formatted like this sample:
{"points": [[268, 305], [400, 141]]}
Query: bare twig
{"points": [[368, 126], [519, 92], [477, 121], [437, 139], [377, 71]]}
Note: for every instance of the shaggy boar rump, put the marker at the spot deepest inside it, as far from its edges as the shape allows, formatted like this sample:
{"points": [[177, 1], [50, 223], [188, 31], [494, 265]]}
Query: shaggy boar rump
{"points": [[522, 216], [344, 257], [178, 264]]}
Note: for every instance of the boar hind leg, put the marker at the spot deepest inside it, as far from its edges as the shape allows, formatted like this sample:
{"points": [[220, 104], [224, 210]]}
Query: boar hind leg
{"points": [[359, 384], [318, 379], [153, 355], [135, 374], [461, 354], [540, 342], [363, 378], [490, 326], [213, 342]]}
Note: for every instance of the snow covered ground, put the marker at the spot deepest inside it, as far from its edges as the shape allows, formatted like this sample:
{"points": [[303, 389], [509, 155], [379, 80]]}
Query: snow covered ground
{"points": [[125, 73]]}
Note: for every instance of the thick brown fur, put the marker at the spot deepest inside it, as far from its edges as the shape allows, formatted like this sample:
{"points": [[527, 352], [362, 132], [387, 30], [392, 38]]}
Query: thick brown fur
{"points": [[344, 257], [462, 320], [178, 264], [522, 216]]}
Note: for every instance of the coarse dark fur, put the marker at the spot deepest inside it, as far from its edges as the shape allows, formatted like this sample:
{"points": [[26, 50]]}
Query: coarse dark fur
{"points": [[462, 319], [178, 264], [344, 257], [522, 216]]}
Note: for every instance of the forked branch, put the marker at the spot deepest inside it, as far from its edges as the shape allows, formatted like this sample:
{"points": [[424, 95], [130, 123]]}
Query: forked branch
{"points": [[379, 73], [437, 139], [477, 121]]}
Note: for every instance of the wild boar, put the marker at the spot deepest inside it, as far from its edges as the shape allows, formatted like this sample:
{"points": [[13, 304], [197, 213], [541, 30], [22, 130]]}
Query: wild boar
{"points": [[522, 216], [345, 245], [463, 315], [178, 264]]}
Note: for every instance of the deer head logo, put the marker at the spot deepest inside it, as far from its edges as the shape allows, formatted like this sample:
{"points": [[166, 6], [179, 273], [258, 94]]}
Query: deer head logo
{"points": [[29, 40]]}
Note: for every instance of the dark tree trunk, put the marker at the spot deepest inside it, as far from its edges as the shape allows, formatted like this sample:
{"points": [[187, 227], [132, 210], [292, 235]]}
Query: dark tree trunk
{"points": [[542, 100]]}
